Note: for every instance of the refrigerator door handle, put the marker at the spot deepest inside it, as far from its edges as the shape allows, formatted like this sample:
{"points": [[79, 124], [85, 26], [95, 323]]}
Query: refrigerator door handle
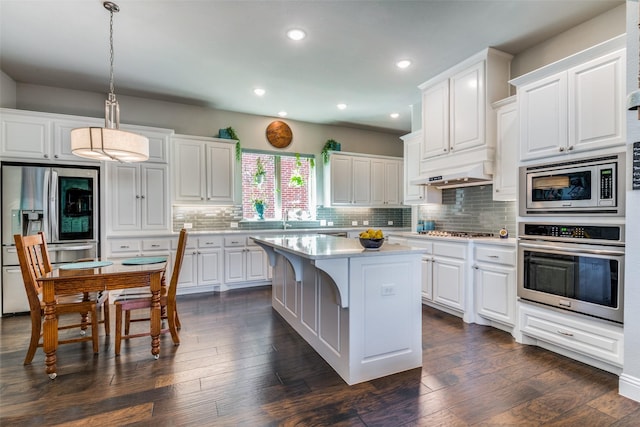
{"points": [[52, 227]]}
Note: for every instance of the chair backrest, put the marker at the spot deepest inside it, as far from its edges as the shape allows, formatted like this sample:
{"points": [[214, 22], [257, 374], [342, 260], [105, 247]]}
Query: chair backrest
{"points": [[177, 264], [34, 262]]}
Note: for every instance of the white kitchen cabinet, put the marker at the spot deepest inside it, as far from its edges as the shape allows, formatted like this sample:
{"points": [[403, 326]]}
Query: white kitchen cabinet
{"points": [[244, 261], [495, 283], [386, 178], [137, 197], [124, 248], [456, 111], [202, 265], [589, 340], [444, 279], [574, 105], [505, 176], [203, 170], [416, 194], [353, 179]]}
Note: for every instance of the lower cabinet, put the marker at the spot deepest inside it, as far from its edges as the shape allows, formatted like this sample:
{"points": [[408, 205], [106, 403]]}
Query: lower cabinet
{"points": [[202, 264], [494, 280], [444, 277], [244, 261]]}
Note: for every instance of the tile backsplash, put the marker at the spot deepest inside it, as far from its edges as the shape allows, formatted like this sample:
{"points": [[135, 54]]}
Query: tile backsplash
{"points": [[205, 218], [470, 209]]}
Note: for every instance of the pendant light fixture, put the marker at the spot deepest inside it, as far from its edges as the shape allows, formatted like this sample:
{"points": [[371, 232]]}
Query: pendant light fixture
{"points": [[110, 143]]}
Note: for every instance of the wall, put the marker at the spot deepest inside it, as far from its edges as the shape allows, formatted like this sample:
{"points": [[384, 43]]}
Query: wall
{"points": [[471, 209], [630, 378], [7, 91], [597, 30]]}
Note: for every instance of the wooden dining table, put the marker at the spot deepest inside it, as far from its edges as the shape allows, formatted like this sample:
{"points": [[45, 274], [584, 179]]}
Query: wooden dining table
{"points": [[117, 276]]}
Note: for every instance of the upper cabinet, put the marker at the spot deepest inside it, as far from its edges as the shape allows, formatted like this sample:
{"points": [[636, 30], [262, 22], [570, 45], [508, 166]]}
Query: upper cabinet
{"points": [[574, 105], [456, 105], [361, 180], [39, 136], [505, 175], [203, 170], [416, 194]]}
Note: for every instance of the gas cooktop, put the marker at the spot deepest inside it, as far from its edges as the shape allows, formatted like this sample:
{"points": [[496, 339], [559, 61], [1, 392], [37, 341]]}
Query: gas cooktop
{"points": [[461, 234]]}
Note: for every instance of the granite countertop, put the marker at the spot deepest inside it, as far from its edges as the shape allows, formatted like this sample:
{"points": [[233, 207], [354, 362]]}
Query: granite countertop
{"points": [[315, 246]]}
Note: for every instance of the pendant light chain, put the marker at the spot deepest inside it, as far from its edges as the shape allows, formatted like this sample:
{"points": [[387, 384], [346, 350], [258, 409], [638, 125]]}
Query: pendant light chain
{"points": [[111, 87]]}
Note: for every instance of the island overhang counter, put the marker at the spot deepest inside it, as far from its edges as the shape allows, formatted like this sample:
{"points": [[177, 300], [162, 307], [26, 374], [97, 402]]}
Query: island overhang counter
{"points": [[360, 310]]}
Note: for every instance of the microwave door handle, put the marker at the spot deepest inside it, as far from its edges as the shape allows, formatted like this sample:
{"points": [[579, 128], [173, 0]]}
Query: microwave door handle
{"points": [[572, 250]]}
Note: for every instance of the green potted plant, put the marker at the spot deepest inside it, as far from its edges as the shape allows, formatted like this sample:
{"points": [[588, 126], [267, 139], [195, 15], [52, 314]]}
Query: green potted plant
{"points": [[330, 145], [259, 205], [230, 133], [260, 173], [296, 180]]}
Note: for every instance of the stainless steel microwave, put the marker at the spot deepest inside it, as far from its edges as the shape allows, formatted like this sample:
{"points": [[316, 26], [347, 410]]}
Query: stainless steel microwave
{"points": [[593, 186]]}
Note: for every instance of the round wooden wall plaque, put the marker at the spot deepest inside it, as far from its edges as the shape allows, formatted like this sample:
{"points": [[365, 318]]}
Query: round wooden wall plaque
{"points": [[279, 134]]}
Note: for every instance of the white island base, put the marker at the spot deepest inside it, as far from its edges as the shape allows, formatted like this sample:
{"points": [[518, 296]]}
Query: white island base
{"points": [[360, 311]]}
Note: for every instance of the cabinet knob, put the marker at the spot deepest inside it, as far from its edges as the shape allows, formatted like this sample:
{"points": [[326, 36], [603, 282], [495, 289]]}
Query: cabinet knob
{"points": [[142, 197], [55, 156], [46, 156], [570, 148], [561, 149], [444, 149]]}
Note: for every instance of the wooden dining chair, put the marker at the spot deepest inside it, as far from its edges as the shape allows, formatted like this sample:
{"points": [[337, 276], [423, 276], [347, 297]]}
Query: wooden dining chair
{"points": [[127, 303], [34, 262]]}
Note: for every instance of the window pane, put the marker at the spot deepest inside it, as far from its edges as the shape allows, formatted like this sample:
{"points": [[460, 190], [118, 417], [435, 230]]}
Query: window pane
{"points": [[295, 187], [258, 186]]}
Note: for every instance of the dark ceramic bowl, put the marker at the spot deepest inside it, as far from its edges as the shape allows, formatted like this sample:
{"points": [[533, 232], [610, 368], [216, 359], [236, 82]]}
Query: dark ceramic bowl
{"points": [[371, 243]]}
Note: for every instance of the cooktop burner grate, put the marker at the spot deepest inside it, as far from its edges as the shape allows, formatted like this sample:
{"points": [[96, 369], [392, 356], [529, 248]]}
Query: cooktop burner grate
{"points": [[461, 234]]}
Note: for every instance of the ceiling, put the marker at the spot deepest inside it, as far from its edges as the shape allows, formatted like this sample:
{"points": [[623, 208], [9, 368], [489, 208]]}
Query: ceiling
{"points": [[213, 53]]}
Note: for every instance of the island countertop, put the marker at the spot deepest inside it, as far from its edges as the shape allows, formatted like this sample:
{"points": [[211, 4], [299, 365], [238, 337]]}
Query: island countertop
{"points": [[314, 246]]}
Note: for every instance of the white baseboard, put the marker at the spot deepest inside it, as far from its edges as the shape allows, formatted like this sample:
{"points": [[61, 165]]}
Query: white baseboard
{"points": [[629, 386]]}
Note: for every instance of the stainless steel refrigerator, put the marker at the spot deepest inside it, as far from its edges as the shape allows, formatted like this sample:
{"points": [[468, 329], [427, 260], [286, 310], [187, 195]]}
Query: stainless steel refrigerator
{"points": [[61, 201]]}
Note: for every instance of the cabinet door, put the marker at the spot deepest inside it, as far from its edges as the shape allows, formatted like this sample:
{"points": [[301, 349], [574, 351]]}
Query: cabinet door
{"points": [[341, 180], [495, 289], [435, 120], [597, 99], [413, 194], [124, 188], [467, 109], [427, 279], [256, 264], [448, 282], [25, 137], [62, 138], [220, 172], [361, 179], [210, 267], [392, 182], [234, 265], [188, 272], [189, 171], [154, 198], [542, 108], [506, 176], [378, 170]]}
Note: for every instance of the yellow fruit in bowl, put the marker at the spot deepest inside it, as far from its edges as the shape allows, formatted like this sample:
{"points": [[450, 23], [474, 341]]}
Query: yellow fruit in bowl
{"points": [[379, 235], [365, 235]]}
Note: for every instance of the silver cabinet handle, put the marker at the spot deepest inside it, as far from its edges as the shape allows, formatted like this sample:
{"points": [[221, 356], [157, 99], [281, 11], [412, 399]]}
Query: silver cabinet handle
{"points": [[565, 333]]}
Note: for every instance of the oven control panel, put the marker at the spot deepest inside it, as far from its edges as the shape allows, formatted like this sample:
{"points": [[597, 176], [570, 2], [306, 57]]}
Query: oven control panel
{"points": [[573, 231]]}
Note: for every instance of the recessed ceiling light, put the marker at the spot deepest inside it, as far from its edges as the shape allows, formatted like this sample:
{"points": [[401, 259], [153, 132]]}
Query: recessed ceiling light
{"points": [[296, 34], [259, 91], [282, 113], [341, 106], [403, 63], [394, 115]]}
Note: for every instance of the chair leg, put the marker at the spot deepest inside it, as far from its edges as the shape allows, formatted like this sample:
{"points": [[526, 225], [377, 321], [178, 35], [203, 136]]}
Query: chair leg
{"points": [[127, 321], [36, 325], [84, 321], [95, 320], [178, 324], [118, 328], [107, 318], [172, 316]]}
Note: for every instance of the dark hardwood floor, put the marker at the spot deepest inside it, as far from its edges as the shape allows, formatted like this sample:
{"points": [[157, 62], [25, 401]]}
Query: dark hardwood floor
{"points": [[240, 364]]}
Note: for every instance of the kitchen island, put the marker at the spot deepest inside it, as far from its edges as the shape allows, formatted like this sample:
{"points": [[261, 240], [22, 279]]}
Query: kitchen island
{"points": [[359, 309]]}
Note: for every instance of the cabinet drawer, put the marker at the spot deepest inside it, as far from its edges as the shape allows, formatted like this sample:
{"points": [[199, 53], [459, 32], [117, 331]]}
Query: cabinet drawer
{"points": [[601, 341], [496, 255], [125, 246], [451, 250], [210, 242], [156, 245], [422, 244], [234, 241]]}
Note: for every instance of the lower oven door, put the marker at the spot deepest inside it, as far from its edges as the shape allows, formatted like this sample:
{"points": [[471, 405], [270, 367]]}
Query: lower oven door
{"points": [[586, 279]]}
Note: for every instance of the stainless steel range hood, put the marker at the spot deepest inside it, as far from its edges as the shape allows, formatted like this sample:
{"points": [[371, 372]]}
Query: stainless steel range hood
{"points": [[462, 176]]}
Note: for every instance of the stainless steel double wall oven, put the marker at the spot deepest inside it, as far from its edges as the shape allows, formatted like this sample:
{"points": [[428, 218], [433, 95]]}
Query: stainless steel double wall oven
{"points": [[571, 235]]}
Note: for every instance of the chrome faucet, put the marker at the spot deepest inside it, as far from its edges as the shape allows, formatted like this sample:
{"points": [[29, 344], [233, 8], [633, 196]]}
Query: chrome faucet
{"points": [[285, 217]]}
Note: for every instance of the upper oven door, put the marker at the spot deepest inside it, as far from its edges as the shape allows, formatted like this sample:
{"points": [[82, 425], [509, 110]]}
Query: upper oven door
{"points": [[582, 278]]}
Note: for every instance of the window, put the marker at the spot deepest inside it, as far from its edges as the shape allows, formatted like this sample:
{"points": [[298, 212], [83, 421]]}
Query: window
{"points": [[277, 185]]}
